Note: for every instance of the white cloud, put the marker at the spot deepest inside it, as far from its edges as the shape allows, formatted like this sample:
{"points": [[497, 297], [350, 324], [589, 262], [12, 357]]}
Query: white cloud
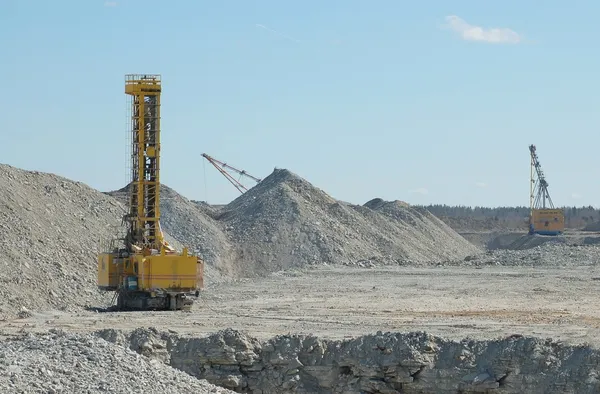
{"points": [[481, 184], [420, 190], [575, 195], [110, 3], [495, 35]]}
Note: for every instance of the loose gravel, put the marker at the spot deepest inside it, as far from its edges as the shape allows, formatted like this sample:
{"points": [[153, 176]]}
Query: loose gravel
{"points": [[58, 362], [51, 230], [285, 222], [544, 255]]}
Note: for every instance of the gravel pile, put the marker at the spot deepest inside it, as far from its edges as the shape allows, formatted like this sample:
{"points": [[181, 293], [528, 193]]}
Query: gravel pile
{"points": [[286, 222], [545, 255], [68, 363], [51, 230]]}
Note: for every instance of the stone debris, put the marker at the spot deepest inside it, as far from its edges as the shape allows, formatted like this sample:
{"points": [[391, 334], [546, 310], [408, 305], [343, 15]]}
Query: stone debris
{"points": [[51, 230], [57, 362], [380, 363], [545, 255]]}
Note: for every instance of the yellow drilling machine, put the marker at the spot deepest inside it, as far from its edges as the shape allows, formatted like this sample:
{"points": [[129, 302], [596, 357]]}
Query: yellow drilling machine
{"points": [[144, 271]]}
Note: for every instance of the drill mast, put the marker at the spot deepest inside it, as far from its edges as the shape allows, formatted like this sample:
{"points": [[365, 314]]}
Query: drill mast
{"points": [[144, 189]]}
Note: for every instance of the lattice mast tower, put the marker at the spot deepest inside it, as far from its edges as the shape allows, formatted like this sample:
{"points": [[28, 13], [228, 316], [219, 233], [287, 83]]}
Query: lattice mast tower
{"points": [[143, 219]]}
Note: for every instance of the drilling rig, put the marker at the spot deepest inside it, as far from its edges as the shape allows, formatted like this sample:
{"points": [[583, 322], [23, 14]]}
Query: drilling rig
{"points": [[544, 218], [143, 270]]}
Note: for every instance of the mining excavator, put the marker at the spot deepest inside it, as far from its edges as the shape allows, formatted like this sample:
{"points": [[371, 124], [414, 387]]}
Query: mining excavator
{"points": [[544, 218], [144, 271]]}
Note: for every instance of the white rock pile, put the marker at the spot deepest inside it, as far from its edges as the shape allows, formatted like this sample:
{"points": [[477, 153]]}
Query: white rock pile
{"points": [[51, 230], [57, 362]]}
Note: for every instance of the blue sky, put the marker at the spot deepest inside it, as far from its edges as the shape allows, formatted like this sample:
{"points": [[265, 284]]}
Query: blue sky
{"points": [[417, 101]]}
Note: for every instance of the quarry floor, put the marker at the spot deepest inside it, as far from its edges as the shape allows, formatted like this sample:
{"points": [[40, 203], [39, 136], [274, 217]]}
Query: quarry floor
{"points": [[339, 302]]}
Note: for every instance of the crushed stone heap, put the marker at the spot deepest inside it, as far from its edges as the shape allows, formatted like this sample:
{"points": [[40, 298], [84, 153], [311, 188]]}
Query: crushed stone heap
{"points": [[51, 230], [286, 222], [56, 362]]}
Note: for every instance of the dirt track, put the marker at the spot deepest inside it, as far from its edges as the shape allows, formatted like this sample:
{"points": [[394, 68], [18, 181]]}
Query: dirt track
{"points": [[339, 302]]}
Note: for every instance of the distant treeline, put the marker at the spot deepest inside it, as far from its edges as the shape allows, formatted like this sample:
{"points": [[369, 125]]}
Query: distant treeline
{"points": [[511, 217]]}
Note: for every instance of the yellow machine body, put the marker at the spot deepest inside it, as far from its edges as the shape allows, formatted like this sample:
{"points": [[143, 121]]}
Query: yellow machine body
{"points": [[548, 221], [156, 272], [173, 272], [108, 272]]}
